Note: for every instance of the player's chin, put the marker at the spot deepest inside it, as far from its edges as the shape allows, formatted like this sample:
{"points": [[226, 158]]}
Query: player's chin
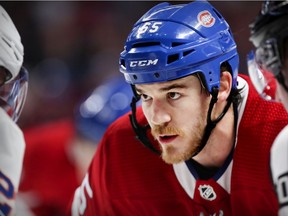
{"points": [[171, 155]]}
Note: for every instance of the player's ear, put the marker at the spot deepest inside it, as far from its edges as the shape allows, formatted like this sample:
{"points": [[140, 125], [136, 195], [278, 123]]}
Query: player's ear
{"points": [[225, 85]]}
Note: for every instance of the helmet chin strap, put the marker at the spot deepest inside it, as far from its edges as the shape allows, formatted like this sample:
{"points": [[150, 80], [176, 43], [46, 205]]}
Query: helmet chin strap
{"points": [[211, 124], [141, 131]]}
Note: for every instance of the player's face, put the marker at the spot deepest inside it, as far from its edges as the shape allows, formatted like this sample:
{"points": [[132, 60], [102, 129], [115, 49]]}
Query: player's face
{"points": [[176, 111]]}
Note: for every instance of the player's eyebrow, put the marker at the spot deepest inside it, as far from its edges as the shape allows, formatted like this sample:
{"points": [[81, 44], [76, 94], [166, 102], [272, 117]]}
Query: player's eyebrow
{"points": [[166, 88], [173, 86]]}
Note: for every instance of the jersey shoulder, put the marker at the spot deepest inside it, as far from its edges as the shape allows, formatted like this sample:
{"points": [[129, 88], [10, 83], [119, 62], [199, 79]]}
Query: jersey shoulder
{"points": [[260, 111]]}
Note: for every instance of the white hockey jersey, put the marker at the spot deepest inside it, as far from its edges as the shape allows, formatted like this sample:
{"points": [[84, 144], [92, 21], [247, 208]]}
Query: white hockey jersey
{"points": [[279, 169], [12, 146]]}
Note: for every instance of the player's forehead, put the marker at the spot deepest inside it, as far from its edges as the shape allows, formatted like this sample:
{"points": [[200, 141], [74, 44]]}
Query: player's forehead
{"points": [[182, 83]]}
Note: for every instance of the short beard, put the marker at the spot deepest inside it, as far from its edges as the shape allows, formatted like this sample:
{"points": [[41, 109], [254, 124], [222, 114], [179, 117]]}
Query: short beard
{"points": [[169, 153], [169, 157]]}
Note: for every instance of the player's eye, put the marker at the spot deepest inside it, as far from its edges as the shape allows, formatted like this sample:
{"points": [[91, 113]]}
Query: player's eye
{"points": [[145, 97], [173, 95]]}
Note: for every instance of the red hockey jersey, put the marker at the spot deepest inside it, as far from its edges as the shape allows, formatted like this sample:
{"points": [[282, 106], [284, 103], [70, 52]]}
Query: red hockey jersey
{"points": [[126, 178], [49, 176]]}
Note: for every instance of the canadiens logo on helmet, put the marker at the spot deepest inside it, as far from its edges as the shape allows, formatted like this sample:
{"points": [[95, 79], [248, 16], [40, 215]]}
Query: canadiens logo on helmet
{"points": [[207, 192], [206, 19]]}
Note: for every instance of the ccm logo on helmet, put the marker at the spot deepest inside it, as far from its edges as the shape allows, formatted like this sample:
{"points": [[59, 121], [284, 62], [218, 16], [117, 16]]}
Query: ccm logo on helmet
{"points": [[143, 63]]}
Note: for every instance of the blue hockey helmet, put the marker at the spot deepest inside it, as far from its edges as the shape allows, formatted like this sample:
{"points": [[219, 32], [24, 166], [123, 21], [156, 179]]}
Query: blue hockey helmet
{"points": [[107, 102], [173, 41]]}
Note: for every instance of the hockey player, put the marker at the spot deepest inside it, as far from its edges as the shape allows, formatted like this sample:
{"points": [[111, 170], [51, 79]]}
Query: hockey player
{"points": [[269, 34], [205, 143], [13, 90]]}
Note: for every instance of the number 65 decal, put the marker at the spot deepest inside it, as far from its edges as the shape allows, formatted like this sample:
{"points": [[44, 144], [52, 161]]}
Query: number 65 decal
{"points": [[149, 27]]}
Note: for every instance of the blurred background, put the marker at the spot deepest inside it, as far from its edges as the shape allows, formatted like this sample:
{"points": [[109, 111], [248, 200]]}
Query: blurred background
{"points": [[71, 47]]}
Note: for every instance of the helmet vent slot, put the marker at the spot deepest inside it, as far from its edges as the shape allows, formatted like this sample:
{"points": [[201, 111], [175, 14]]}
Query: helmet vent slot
{"points": [[6, 41], [175, 44], [146, 44], [123, 63], [156, 75], [10, 46], [172, 58], [16, 56], [188, 52]]}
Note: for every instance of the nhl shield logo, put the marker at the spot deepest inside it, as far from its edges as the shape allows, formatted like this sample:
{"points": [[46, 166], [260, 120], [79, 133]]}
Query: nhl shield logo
{"points": [[207, 192]]}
